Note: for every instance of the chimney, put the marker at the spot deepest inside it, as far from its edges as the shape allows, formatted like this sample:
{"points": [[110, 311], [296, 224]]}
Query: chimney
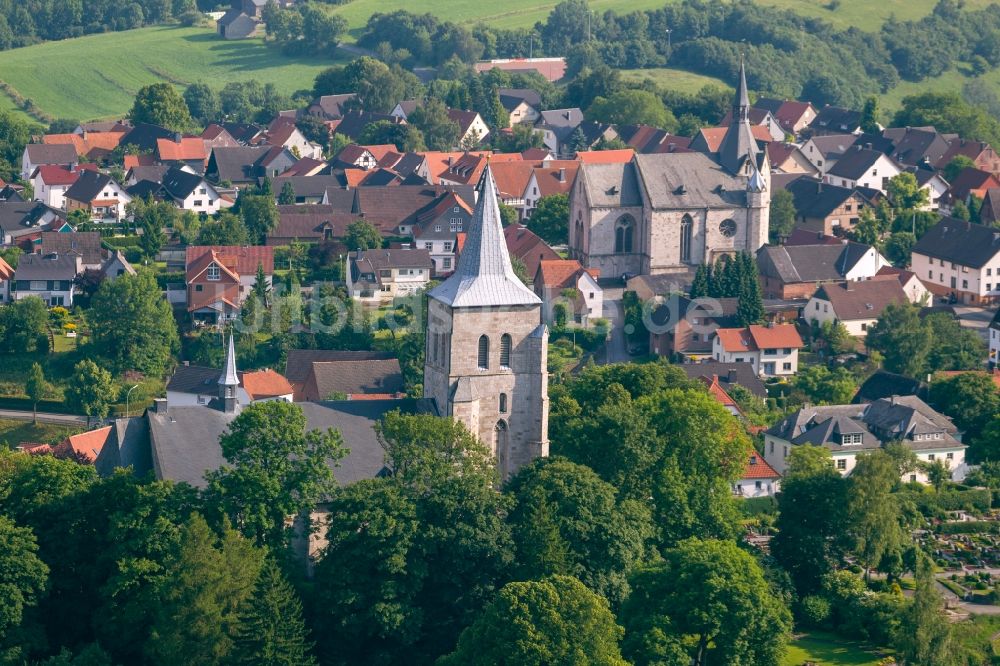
{"points": [[819, 187], [177, 137], [562, 174], [731, 375], [160, 405]]}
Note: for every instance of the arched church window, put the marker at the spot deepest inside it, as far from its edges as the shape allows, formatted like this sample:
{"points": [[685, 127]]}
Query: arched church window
{"points": [[624, 230], [484, 352], [505, 350], [503, 403], [686, 224]]}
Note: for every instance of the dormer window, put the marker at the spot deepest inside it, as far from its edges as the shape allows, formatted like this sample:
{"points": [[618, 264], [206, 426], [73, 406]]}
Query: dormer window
{"points": [[850, 438], [213, 272]]}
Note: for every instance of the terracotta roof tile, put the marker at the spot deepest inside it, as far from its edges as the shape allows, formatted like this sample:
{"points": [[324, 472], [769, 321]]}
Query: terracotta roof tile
{"points": [[757, 468], [755, 338], [559, 273], [86, 444], [188, 148], [265, 384], [620, 156], [242, 259], [54, 174]]}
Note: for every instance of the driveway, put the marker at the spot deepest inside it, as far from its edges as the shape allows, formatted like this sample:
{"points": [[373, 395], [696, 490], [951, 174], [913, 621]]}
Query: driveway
{"points": [[977, 319], [616, 349]]}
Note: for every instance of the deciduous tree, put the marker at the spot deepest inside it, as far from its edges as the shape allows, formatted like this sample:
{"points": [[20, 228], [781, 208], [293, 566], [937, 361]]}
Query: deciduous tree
{"points": [[92, 390], [160, 104], [550, 219]]}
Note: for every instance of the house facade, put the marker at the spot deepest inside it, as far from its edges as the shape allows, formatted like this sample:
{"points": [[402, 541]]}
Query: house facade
{"points": [[797, 271], [99, 195], [220, 277], [557, 279], [959, 260], [856, 305], [382, 275], [759, 479], [49, 277], [863, 167], [772, 350], [848, 431]]}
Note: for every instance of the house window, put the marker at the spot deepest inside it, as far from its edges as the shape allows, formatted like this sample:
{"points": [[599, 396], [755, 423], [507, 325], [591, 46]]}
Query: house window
{"points": [[965, 284], [864, 326], [446, 263], [841, 464], [913, 478], [455, 209], [428, 246], [930, 457], [757, 485], [503, 403], [624, 229], [989, 271], [484, 352], [38, 285], [949, 456], [686, 224], [213, 273], [930, 275], [505, 350], [437, 227], [385, 273], [198, 202], [787, 366], [202, 191], [447, 246], [817, 305], [772, 447], [198, 287]]}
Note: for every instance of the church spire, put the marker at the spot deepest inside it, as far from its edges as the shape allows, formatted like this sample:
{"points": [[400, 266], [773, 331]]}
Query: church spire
{"points": [[741, 104], [229, 380], [484, 275], [739, 144]]}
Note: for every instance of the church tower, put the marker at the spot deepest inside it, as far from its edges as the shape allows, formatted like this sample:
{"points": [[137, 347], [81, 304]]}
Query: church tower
{"points": [[486, 355]]}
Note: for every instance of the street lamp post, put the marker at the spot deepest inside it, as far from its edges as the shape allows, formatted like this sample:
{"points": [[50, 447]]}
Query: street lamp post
{"points": [[668, 38], [127, 394]]}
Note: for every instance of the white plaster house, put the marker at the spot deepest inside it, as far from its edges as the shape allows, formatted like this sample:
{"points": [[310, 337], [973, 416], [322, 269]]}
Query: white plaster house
{"points": [[772, 350], [857, 305], [848, 431], [960, 259], [863, 167]]}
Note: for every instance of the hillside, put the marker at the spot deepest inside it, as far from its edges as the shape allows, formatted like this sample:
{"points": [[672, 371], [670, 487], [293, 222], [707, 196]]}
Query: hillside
{"points": [[524, 13], [97, 76]]}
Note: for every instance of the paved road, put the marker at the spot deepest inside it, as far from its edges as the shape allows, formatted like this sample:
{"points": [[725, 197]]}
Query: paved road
{"points": [[953, 601], [44, 417], [977, 319], [616, 350]]}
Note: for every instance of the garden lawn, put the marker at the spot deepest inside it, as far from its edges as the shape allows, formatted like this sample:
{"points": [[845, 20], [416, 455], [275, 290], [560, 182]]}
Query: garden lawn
{"points": [[828, 650], [97, 76], [13, 433]]}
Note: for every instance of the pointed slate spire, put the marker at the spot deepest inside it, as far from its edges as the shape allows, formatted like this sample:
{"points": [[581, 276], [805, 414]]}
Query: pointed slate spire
{"points": [[484, 275], [229, 380], [738, 144]]}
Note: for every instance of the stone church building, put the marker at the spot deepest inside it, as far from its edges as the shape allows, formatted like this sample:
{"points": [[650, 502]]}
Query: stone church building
{"points": [[668, 213], [486, 355]]}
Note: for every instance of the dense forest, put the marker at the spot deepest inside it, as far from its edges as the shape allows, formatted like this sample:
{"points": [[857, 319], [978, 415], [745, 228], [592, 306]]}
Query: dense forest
{"points": [[787, 54]]}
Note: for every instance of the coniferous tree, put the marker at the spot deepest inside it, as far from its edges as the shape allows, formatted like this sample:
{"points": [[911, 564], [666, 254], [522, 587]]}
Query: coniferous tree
{"points": [[287, 196], [750, 309], [271, 631], [701, 287]]}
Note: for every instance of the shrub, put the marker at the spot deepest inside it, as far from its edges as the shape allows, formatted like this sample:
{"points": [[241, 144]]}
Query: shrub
{"points": [[814, 610]]}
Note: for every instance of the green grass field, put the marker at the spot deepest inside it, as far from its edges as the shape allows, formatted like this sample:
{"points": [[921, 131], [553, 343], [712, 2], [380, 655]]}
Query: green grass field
{"points": [[674, 79], [98, 75], [14, 432], [828, 650]]}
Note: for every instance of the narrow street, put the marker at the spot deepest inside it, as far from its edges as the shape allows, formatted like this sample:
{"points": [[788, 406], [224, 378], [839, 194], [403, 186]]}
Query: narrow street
{"points": [[616, 349]]}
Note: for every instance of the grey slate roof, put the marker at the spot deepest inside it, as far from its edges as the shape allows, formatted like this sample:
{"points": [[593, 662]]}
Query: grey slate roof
{"points": [[729, 374], [881, 421], [611, 185], [810, 263], [484, 276], [816, 199], [45, 267], [739, 144], [51, 153], [194, 379], [179, 183], [350, 377], [853, 301], [961, 242], [127, 446], [21, 217], [299, 361], [855, 163], [185, 440], [688, 180], [87, 244], [512, 97], [87, 186]]}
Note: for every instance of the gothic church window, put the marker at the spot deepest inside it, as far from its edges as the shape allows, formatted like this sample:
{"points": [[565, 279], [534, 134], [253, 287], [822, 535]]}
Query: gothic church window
{"points": [[686, 224], [624, 228], [505, 350], [503, 403], [484, 352], [501, 446]]}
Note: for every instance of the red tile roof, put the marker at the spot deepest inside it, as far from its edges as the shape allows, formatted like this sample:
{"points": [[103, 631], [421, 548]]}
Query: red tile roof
{"points": [[241, 259], [757, 468], [527, 246], [512, 178], [620, 156], [265, 384], [559, 273], [187, 149], [54, 174], [548, 179], [719, 393], [755, 338], [713, 136], [85, 445]]}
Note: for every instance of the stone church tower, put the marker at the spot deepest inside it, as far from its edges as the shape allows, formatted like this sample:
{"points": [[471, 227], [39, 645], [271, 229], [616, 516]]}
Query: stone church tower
{"points": [[487, 349]]}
